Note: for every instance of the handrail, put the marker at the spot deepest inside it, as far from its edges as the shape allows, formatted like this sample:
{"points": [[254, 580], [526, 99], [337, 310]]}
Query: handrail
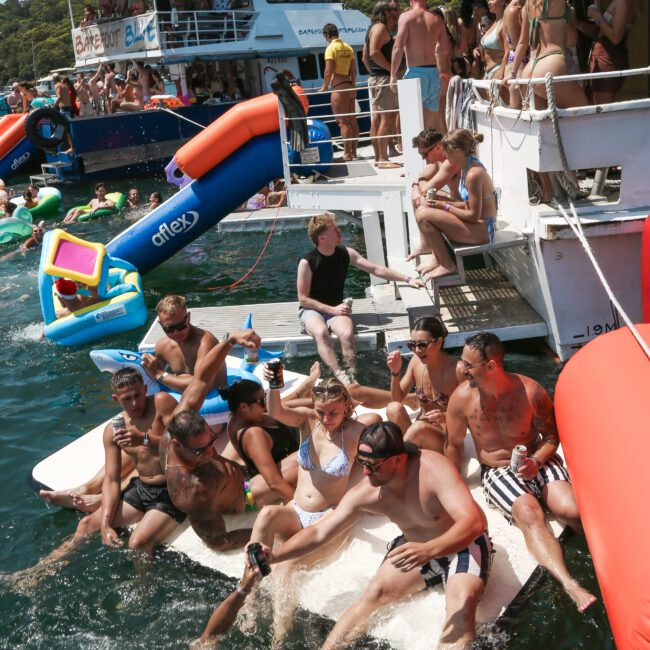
{"points": [[190, 28], [487, 83]]}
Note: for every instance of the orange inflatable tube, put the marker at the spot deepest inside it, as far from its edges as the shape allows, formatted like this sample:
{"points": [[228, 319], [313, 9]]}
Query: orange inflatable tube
{"points": [[602, 404], [12, 131], [234, 128], [645, 272]]}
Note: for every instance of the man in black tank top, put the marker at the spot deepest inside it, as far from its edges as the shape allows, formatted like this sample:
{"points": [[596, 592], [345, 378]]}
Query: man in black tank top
{"points": [[320, 284], [377, 53]]}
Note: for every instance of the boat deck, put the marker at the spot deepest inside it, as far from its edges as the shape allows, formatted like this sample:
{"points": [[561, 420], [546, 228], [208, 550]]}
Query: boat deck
{"points": [[487, 302], [284, 218]]}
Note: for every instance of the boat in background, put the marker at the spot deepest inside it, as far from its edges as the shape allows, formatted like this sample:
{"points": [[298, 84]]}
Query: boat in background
{"points": [[251, 43]]}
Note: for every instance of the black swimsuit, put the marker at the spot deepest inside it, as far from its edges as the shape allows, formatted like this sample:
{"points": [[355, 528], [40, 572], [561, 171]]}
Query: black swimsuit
{"points": [[285, 442]]}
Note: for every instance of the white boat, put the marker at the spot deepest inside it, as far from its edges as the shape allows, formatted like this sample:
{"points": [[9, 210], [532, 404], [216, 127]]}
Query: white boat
{"points": [[331, 586]]}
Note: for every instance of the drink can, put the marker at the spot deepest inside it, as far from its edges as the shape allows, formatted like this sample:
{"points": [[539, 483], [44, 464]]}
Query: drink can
{"points": [[518, 454], [251, 355], [118, 423], [431, 194], [276, 367], [348, 302]]}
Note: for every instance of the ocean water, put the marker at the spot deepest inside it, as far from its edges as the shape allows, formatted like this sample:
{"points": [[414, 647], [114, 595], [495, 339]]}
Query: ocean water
{"points": [[49, 396]]}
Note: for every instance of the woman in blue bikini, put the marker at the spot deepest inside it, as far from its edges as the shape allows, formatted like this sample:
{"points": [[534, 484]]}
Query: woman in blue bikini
{"points": [[470, 221]]}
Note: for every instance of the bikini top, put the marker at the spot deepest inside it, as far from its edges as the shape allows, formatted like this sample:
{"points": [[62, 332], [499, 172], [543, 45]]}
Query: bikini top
{"points": [[535, 23], [492, 41], [462, 188], [337, 467], [285, 442], [441, 401]]}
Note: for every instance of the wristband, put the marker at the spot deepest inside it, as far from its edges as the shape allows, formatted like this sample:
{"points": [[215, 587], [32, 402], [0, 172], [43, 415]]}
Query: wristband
{"points": [[242, 592], [394, 374], [161, 377], [537, 460]]}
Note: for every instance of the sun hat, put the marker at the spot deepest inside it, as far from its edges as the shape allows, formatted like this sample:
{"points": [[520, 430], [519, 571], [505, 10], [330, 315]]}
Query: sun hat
{"points": [[65, 289]]}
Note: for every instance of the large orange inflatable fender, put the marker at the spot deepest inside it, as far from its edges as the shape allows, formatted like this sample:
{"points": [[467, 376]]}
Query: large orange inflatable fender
{"points": [[12, 131], [602, 405], [645, 272], [233, 129]]}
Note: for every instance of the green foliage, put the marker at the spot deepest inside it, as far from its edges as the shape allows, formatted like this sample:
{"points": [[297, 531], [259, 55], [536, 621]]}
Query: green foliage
{"points": [[35, 38]]}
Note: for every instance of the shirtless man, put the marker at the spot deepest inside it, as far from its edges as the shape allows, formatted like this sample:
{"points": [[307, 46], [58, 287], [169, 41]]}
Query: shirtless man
{"points": [[110, 91], [144, 78], [181, 349], [71, 301], [422, 38], [62, 101], [503, 410], [202, 483], [146, 500], [100, 201], [444, 535], [96, 86], [83, 94], [438, 173]]}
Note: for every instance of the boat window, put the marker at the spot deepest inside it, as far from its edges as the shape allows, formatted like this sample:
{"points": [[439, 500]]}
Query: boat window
{"points": [[307, 67]]}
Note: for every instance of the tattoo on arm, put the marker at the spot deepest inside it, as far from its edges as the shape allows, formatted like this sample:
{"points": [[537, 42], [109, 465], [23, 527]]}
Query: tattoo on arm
{"points": [[544, 417]]}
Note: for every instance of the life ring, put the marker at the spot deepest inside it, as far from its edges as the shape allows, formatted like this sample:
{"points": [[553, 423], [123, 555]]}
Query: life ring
{"points": [[59, 131]]}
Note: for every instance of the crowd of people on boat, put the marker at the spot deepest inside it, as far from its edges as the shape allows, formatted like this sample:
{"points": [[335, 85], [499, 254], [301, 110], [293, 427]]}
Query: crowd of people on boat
{"points": [[502, 40]]}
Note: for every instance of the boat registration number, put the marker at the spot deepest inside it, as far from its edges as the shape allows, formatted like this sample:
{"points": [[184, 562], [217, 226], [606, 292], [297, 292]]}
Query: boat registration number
{"points": [[309, 156], [110, 314]]}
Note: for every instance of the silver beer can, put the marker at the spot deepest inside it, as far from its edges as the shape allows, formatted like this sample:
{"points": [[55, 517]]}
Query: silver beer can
{"points": [[431, 194], [348, 302], [518, 454], [118, 423]]}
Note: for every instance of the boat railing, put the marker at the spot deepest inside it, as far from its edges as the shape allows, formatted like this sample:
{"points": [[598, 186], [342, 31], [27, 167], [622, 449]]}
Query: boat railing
{"points": [[192, 28]]}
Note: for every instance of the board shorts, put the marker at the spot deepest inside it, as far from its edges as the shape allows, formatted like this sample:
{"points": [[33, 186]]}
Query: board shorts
{"points": [[502, 487], [145, 497], [382, 97], [430, 85], [307, 314], [475, 559]]}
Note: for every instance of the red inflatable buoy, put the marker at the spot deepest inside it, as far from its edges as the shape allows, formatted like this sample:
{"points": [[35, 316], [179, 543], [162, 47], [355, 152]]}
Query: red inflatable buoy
{"points": [[645, 272], [602, 404]]}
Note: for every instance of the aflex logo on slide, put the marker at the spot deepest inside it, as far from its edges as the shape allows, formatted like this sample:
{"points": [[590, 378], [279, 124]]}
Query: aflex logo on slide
{"points": [[184, 223], [20, 161]]}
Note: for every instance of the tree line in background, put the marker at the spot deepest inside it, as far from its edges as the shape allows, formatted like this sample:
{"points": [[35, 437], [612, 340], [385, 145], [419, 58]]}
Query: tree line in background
{"points": [[35, 36]]}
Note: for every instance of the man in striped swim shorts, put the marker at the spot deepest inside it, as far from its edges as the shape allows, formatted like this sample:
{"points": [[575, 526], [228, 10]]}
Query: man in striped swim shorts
{"points": [[503, 410]]}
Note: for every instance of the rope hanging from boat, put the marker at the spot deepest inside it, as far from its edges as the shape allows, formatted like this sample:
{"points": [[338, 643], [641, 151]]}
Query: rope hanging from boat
{"points": [[576, 226], [255, 263], [565, 178], [180, 117]]}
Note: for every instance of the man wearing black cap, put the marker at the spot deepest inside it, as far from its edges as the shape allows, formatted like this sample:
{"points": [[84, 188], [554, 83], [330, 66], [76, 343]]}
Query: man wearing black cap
{"points": [[444, 534]]}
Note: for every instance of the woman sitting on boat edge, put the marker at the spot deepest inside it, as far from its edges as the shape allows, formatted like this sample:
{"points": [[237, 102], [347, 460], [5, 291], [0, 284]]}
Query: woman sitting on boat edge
{"points": [[470, 221]]}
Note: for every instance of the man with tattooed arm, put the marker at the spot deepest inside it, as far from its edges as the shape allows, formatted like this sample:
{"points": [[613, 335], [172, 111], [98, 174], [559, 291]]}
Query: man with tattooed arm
{"points": [[503, 410]]}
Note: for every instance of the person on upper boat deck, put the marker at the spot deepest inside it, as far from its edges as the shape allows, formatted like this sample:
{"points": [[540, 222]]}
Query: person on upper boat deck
{"points": [[503, 410], [320, 284]]}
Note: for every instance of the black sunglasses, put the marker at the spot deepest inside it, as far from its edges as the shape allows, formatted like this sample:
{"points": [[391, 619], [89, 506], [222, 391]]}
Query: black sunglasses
{"points": [[178, 327], [260, 400], [326, 391], [419, 345], [372, 467], [199, 451], [424, 154]]}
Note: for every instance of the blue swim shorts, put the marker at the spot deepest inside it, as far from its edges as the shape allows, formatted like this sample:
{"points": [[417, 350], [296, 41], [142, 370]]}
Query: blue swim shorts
{"points": [[429, 84]]}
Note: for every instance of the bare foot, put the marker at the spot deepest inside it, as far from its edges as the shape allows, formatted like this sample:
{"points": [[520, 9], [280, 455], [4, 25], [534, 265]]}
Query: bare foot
{"points": [[348, 158], [438, 272], [580, 596], [87, 502], [387, 164], [426, 267], [420, 250], [314, 372], [61, 498], [304, 390]]}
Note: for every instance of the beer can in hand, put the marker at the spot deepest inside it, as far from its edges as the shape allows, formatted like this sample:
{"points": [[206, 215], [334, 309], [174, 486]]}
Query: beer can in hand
{"points": [[431, 194], [348, 302], [518, 454], [276, 367], [252, 355], [118, 423]]}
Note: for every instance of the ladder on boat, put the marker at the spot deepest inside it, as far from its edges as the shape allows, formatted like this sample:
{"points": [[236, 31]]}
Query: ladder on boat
{"points": [[47, 176]]}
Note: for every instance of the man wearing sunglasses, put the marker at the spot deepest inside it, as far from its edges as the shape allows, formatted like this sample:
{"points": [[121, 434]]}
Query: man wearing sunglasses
{"points": [[502, 410], [444, 534], [184, 345], [321, 280]]}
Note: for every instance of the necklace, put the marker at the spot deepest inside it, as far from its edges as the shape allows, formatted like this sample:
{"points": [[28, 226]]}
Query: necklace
{"points": [[331, 437]]}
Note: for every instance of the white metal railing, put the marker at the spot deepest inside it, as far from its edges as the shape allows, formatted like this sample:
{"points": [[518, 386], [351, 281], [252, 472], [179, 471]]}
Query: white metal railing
{"points": [[189, 28], [487, 84]]}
